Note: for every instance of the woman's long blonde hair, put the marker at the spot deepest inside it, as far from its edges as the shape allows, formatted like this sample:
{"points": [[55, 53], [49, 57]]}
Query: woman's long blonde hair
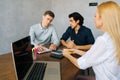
{"points": [[110, 14]]}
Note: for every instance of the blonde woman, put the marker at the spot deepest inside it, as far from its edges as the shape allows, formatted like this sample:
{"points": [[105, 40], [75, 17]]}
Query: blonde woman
{"points": [[104, 55]]}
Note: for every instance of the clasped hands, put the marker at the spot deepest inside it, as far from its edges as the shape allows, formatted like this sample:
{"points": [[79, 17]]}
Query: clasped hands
{"points": [[71, 44]]}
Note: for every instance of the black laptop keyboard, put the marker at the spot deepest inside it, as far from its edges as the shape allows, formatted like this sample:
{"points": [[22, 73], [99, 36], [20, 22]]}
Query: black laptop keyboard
{"points": [[37, 72]]}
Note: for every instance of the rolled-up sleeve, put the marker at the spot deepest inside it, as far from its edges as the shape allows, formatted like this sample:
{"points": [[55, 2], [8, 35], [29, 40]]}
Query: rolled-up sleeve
{"points": [[55, 38], [32, 35], [66, 35]]}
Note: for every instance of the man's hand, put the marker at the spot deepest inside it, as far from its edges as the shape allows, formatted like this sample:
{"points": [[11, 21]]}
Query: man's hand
{"points": [[39, 48], [71, 44], [52, 47]]}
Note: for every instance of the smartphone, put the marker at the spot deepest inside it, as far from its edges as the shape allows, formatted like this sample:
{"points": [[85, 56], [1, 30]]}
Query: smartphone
{"points": [[57, 54]]}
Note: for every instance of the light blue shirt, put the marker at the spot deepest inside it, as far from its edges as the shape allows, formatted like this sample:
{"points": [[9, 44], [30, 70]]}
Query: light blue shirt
{"points": [[43, 36], [102, 57]]}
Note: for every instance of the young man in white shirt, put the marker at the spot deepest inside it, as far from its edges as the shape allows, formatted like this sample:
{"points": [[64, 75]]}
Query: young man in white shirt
{"points": [[44, 33]]}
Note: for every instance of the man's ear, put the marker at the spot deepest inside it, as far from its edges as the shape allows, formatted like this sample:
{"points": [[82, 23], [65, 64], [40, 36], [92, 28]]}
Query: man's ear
{"points": [[78, 21]]}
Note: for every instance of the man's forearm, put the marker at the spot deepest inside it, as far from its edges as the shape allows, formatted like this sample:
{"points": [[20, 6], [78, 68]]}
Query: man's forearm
{"points": [[63, 43], [83, 47]]}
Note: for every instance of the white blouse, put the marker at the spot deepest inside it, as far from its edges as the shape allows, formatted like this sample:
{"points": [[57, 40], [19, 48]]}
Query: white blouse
{"points": [[102, 57]]}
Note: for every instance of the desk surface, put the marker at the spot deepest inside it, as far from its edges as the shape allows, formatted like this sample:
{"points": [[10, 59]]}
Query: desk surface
{"points": [[68, 70]]}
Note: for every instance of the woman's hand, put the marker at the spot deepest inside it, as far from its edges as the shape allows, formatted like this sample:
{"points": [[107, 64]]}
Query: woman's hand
{"points": [[66, 52], [75, 51]]}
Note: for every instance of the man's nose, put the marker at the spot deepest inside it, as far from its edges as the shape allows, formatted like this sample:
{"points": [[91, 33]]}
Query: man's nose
{"points": [[49, 22]]}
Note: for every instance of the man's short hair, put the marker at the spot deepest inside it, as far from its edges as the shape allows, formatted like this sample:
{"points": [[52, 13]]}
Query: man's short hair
{"points": [[76, 16], [50, 13]]}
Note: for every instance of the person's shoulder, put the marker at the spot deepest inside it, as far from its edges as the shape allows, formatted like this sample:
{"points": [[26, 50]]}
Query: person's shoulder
{"points": [[51, 26], [84, 27], [69, 28], [103, 37], [35, 25], [106, 36]]}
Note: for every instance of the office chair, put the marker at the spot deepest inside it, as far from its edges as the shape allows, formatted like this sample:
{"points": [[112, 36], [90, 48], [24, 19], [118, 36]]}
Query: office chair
{"points": [[87, 74]]}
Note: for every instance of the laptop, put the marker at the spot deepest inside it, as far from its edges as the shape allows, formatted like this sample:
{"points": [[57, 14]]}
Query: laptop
{"points": [[27, 69]]}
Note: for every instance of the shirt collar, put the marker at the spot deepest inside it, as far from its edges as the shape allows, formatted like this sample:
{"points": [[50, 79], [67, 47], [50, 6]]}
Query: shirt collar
{"points": [[42, 27]]}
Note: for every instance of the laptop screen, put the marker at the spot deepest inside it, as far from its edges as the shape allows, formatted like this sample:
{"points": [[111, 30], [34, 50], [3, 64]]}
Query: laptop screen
{"points": [[22, 52]]}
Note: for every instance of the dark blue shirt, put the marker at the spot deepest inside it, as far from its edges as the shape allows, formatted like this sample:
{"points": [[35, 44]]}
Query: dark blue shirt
{"points": [[83, 37]]}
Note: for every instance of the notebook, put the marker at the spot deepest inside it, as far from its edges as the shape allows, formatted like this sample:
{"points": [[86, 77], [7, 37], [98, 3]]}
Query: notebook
{"points": [[27, 69]]}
